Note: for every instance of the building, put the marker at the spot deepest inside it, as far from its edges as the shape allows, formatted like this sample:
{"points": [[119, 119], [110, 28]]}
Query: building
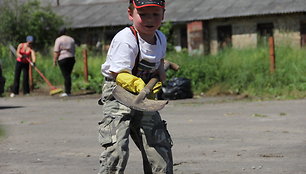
{"points": [[201, 26]]}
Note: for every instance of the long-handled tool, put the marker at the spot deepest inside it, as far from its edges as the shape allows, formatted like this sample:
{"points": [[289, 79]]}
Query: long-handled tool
{"points": [[53, 89], [140, 102]]}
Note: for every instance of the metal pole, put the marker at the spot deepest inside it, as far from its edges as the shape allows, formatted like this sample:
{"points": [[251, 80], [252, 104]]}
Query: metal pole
{"points": [[85, 65], [272, 54]]}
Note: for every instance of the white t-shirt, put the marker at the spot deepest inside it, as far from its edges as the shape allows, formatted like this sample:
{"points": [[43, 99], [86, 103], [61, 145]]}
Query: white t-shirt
{"points": [[123, 51]]}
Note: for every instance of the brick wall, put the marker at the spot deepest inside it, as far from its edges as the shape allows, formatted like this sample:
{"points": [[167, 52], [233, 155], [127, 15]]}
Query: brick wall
{"points": [[286, 30]]}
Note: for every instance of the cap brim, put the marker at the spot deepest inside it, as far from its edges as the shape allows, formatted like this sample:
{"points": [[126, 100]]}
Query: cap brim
{"points": [[148, 4]]}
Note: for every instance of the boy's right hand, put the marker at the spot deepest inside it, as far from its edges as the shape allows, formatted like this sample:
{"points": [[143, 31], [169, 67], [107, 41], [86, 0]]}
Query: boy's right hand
{"points": [[130, 82]]}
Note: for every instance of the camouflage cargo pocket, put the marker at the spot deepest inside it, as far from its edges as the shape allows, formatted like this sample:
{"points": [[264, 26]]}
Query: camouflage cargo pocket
{"points": [[106, 92], [105, 132]]}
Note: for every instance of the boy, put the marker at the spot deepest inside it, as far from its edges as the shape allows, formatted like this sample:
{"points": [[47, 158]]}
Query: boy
{"points": [[132, 60]]}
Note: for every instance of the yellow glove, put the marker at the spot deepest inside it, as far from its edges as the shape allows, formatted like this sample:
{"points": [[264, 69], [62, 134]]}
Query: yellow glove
{"points": [[130, 82], [157, 87]]}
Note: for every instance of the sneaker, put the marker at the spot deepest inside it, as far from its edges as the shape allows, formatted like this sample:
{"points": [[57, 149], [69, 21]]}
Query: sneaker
{"points": [[64, 95], [12, 95]]}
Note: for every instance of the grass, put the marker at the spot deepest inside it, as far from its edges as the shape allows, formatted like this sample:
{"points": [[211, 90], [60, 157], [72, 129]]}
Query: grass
{"points": [[230, 72], [246, 72], [45, 64]]}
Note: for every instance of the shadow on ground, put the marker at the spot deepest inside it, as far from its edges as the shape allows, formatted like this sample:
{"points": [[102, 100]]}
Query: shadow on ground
{"points": [[10, 107]]}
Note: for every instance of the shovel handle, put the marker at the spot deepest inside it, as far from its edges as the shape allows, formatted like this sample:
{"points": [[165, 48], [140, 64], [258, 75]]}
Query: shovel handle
{"points": [[149, 86], [41, 74], [146, 90]]}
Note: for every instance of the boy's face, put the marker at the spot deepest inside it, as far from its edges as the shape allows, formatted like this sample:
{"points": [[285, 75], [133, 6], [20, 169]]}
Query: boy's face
{"points": [[147, 19]]}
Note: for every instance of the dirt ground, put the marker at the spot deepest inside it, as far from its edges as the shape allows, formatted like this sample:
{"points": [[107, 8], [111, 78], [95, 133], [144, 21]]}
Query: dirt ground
{"points": [[52, 135]]}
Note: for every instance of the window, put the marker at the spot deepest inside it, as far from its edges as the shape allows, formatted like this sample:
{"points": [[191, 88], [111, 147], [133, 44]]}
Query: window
{"points": [[224, 36], [183, 39], [264, 30], [303, 34]]}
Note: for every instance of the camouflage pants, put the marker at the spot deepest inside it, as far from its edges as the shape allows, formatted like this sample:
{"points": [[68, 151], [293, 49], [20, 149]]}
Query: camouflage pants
{"points": [[146, 129]]}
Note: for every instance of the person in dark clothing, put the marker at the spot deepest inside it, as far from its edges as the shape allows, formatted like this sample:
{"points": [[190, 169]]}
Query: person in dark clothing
{"points": [[64, 55], [2, 81]]}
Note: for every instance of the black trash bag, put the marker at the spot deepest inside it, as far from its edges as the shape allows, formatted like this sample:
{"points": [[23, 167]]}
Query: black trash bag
{"points": [[177, 88]]}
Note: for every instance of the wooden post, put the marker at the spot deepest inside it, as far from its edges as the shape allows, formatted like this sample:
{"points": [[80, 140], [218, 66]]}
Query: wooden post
{"points": [[272, 54], [85, 65], [31, 78]]}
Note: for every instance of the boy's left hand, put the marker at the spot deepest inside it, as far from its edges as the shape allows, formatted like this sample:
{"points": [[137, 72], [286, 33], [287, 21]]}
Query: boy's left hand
{"points": [[153, 94], [157, 87]]}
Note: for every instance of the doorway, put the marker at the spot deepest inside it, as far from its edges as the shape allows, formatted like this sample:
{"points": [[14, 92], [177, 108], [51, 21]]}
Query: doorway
{"points": [[224, 36]]}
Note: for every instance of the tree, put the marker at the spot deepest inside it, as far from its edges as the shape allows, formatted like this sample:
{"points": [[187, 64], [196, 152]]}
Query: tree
{"points": [[21, 19], [167, 29]]}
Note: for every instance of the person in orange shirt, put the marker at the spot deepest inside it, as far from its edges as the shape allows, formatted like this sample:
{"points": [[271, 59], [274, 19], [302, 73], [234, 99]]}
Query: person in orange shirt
{"points": [[24, 52]]}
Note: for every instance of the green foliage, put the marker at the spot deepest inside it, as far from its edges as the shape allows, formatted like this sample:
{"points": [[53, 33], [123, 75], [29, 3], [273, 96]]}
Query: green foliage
{"points": [[45, 64], [95, 77], [245, 72], [8, 64], [166, 28], [21, 19], [231, 72]]}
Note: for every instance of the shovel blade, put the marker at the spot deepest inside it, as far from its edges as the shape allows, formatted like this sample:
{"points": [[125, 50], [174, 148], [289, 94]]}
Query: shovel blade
{"points": [[128, 99]]}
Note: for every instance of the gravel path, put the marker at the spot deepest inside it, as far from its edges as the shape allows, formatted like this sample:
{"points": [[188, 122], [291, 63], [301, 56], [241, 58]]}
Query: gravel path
{"points": [[51, 135]]}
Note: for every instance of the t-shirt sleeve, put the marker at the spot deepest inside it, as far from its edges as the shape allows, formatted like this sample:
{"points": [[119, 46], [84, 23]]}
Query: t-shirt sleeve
{"points": [[122, 56], [56, 46], [122, 53]]}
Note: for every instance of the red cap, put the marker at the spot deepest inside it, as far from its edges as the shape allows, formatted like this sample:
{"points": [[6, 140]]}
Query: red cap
{"points": [[148, 3]]}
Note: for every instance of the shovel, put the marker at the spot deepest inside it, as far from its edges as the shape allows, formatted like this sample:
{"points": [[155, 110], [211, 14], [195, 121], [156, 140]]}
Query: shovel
{"points": [[140, 102]]}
